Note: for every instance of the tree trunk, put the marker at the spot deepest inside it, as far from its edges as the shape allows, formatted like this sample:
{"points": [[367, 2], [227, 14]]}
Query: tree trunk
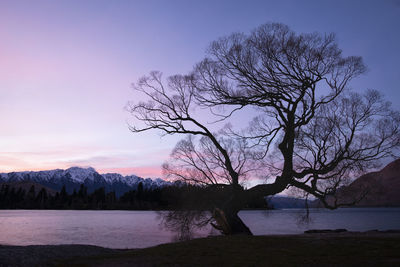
{"points": [[237, 225], [229, 223], [226, 216]]}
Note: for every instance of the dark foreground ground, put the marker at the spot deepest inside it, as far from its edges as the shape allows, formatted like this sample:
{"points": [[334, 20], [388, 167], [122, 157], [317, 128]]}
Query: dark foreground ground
{"points": [[347, 249]]}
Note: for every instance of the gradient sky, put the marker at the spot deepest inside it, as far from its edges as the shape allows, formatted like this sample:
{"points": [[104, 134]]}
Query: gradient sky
{"points": [[66, 68]]}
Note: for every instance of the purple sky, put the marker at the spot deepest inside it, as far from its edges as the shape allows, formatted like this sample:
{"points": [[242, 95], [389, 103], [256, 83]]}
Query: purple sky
{"points": [[66, 68]]}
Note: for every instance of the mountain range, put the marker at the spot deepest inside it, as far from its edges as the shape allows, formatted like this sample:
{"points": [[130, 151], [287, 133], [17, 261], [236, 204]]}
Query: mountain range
{"points": [[73, 177], [381, 187]]}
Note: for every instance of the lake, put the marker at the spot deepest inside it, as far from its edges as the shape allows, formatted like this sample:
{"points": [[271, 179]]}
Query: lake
{"points": [[138, 229]]}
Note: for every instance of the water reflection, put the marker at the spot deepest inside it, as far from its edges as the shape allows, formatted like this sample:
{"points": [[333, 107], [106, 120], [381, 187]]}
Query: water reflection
{"points": [[185, 224], [189, 224], [302, 218], [138, 229]]}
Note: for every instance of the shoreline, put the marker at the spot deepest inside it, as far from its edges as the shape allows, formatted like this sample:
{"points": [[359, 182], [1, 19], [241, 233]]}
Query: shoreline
{"points": [[345, 248]]}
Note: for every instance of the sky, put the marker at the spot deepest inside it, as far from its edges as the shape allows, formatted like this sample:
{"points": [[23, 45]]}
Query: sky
{"points": [[66, 68]]}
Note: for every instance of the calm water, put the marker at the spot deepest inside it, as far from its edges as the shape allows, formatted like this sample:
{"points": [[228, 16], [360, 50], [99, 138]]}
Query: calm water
{"points": [[137, 229]]}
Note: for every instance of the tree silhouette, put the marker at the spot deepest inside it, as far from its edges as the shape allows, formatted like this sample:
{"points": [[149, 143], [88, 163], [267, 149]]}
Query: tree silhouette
{"points": [[311, 131]]}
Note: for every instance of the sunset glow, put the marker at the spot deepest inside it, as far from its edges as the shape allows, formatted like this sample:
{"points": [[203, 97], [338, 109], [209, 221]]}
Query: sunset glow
{"points": [[66, 69]]}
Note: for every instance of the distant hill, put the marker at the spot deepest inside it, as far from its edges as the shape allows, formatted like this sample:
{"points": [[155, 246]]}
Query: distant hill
{"points": [[381, 188], [284, 202], [73, 177]]}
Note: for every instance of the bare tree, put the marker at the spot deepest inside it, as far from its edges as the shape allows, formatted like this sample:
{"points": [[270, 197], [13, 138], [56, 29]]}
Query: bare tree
{"points": [[312, 132], [299, 83], [200, 162], [217, 160]]}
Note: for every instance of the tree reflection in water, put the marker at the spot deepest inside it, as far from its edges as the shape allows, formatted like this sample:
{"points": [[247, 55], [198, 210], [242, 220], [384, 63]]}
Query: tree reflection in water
{"points": [[184, 223]]}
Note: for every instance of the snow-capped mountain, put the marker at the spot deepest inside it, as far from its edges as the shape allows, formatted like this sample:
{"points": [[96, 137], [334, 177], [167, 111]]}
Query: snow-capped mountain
{"points": [[73, 177]]}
